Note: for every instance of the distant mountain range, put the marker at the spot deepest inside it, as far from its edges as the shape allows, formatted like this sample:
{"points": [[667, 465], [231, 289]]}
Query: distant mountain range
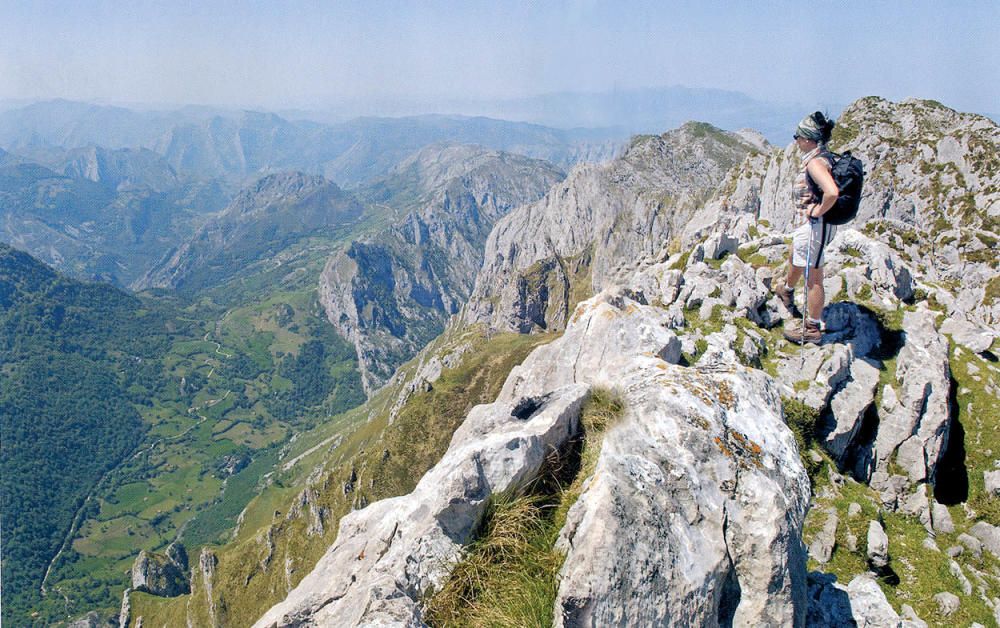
{"points": [[627, 111], [244, 145]]}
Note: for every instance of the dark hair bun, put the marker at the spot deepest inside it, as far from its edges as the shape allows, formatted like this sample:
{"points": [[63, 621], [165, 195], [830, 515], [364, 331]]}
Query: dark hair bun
{"points": [[825, 125]]}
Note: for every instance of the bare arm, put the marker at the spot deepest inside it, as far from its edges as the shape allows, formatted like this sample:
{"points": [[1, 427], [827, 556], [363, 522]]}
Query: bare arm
{"points": [[819, 170]]}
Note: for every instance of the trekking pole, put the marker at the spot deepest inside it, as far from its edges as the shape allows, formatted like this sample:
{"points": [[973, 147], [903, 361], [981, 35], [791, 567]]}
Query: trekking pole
{"points": [[805, 299]]}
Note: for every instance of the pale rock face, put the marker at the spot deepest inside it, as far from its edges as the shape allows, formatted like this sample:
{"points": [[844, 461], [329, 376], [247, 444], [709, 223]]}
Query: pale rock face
{"points": [[914, 423], [941, 518], [947, 603], [389, 554], [974, 544], [991, 480], [125, 613], [392, 292], [593, 225], [988, 535], [878, 546], [821, 549], [977, 338], [90, 620], [694, 512], [163, 575], [207, 562], [881, 268], [848, 407]]}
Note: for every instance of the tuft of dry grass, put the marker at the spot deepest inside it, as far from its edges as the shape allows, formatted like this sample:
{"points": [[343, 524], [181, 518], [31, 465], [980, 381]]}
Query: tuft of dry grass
{"points": [[509, 575]]}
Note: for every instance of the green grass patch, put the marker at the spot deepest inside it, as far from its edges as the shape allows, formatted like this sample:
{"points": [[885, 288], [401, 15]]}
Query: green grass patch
{"points": [[802, 420]]}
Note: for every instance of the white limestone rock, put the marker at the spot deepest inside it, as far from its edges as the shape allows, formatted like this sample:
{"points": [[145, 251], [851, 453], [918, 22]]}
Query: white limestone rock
{"points": [[821, 548], [693, 515], [941, 518], [947, 603], [389, 554], [602, 218], [881, 267], [977, 338], [848, 407], [860, 603], [878, 546], [914, 425], [988, 535], [975, 545], [992, 481]]}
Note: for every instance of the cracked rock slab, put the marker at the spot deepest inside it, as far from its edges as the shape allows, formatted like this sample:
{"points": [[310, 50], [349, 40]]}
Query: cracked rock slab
{"points": [[694, 513]]}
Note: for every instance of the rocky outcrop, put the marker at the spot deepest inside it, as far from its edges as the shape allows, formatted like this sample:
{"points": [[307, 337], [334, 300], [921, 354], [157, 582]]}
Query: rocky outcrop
{"points": [[392, 552], [207, 562], [390, 293], [692, 516], [163, 575], [90, 620], [545, 257], [710, 489], [914, 421], [860, 603]]}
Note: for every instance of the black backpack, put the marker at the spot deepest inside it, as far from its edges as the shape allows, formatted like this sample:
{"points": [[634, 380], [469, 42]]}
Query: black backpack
{"points": [[849, 175]]}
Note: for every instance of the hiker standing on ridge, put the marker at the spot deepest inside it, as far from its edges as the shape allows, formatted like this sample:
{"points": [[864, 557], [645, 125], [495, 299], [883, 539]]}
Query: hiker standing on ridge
{"points": [[814, 193]]}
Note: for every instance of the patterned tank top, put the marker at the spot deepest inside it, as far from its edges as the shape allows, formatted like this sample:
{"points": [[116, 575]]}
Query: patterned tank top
{"points": [[802, 194]]}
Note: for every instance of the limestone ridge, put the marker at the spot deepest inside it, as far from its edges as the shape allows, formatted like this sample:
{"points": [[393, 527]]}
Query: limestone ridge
{"points": [[730, 455], [390, 293], [700, 489], [262, 219], [545, 257]]}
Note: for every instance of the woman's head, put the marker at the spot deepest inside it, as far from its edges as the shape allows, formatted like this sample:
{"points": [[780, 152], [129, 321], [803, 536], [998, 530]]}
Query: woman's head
{"points": [[813, 129]]}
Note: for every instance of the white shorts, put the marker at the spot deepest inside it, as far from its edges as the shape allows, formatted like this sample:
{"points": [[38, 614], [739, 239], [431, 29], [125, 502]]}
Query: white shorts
{"points": [[820, 234]]}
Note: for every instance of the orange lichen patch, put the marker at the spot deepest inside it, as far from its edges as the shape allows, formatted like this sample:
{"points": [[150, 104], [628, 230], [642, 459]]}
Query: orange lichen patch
{"points": [[609, 313], [725, 395], [579, 311], [662, 366], [740, 447], [722, 447], [631, 309]]}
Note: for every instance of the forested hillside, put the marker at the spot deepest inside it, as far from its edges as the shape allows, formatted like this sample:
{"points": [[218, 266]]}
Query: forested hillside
{"points": [[76, 359], [126, 428]]}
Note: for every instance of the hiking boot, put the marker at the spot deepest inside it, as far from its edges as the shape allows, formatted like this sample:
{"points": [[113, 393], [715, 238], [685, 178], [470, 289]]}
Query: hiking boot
{"points": [[787, 298], [811, 334]]}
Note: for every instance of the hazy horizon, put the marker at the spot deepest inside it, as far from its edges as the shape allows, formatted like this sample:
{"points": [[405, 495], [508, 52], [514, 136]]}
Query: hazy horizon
{"points": [[312, 56]]}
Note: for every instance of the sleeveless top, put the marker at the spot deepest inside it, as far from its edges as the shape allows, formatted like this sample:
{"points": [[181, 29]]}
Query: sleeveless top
{"points": [[802, 195]]}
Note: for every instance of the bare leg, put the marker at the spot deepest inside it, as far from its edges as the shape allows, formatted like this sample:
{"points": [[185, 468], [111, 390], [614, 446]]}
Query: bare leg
{"points": [[817, 295], [794, 272]]}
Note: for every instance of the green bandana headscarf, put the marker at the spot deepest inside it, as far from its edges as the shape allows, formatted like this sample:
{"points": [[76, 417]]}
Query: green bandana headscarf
{"points": [[809, 129]]}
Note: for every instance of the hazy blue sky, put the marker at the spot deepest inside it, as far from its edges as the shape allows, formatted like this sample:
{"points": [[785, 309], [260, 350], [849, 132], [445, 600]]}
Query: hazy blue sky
{"points": [[309, 54]]}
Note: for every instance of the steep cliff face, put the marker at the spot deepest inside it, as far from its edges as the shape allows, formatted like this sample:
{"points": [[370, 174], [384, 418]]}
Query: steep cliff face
{"points": [[262, 220], [391, 293], [122, 168], [545, 257]]}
